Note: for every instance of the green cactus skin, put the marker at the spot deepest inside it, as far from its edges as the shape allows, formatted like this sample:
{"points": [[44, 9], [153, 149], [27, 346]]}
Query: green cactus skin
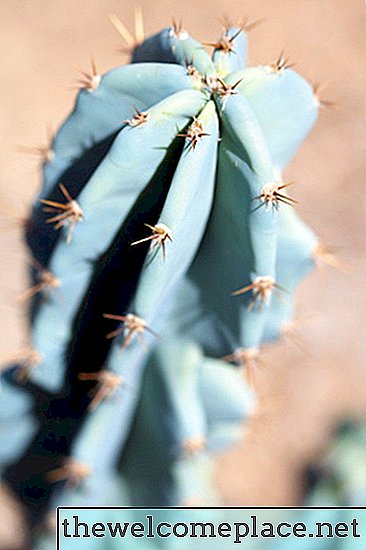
{"points": [[181, 141]]}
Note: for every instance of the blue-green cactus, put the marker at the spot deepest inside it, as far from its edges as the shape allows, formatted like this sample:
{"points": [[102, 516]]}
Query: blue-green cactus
{"points": [[173, 230], [339, 479]]}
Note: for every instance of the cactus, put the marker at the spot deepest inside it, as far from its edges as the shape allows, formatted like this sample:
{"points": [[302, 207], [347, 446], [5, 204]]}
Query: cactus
{"points": [[337, 482], [165, 252], [339, 478]]}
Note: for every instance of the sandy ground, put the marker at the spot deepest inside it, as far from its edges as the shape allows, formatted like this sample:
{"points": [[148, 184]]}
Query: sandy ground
{"points": [[301, 393]]}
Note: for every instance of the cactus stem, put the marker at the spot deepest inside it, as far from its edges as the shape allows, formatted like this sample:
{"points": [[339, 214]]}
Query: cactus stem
{"points": [[281, 64], [195, 133], [193, 445], [271, 197], [262, 287], [326, 254], [139, 118], [108, 384], [89, 81], [132, 326], [73, 472], [160, 234], [68, 214]]}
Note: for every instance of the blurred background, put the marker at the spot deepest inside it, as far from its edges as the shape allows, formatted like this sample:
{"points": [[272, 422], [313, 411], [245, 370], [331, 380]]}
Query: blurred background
{"points": [[305, 386]]}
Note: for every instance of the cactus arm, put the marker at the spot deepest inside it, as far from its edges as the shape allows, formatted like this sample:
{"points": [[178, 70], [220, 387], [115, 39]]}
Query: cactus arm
{"points": [[285, 106], [239, 243], [174, 47], [228, 62], [251, 160], [186, 212], [72, 263]]}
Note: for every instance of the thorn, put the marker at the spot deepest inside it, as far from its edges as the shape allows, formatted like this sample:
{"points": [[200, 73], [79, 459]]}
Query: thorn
{"points": [[195, 133], [262, 288], [177, 30], [225, 43], [123, 31], [160, 234], [68, 214], [45, 152], [89, 81], [249, 26], [107, 385], [322, 103], [132, 42], [139, 118], [241, 355], [47, 282], [219, 86], [291, 331], [281, 64], [26, 360], [132, 326], [244, 23], [73, 472], [139, 26], [271, 196], [326, 254], [194, 73], [193, 445], [248, 358]]}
